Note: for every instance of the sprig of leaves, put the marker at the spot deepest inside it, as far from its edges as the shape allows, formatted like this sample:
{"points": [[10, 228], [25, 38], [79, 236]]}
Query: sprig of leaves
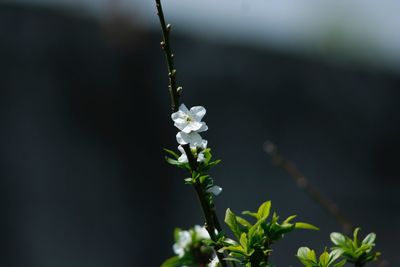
{"points": [[354, 250], [203, 166], [309, 259], [196, 250], [254, 240]]}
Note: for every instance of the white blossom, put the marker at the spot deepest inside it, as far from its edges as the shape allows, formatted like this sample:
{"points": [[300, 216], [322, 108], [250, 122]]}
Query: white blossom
{"points": [[193, 139], [215, 190], [190, 120], [201, 232], [214, 262], [183, 158], [184, 240]]}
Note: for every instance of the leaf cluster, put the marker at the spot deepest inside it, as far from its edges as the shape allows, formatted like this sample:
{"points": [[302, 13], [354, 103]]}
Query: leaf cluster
{"points": [[255, 239], [309, 259], [354, 250], [197, 251], [203, 166]]}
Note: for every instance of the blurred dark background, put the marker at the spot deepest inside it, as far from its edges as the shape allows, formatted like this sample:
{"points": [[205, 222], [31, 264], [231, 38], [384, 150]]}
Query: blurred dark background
{"points": [[85, 114]]}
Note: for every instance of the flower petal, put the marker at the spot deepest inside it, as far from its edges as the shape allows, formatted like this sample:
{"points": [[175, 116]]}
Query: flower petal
{"points": [[195, 140], [200, 157], [203, 144], [201, 232], [183, 108], [203, 128], [182, 138], [198, 112], [214, 262], [184, 240], [192, 126], [183, 158], [215, 190]]}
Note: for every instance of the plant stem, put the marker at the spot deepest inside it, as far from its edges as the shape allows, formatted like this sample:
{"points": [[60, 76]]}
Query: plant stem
{"points": [[304, 184], [166, 47], [210, 217], [212, 224]]}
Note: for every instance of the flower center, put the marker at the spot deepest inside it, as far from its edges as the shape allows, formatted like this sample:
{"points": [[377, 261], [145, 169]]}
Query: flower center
{"points": [[188, 119]]}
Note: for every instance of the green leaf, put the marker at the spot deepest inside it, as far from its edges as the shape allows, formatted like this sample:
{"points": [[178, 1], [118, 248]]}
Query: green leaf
{"points": [[338, 239], [306, 256], [204, 178], [369, 239], [275, 218], [214, 163], [312, 256], [230, 220], [355, 236], [232, 259], [172, 161], [189, 181], [289, 219], [177, 163], [334, 255], [172, 262], [238, 249], [243, 222], [252, 214], [302, 225], [243, 241], [264, 209], [254, 229], [172, 153], [302, 252], [324, 259], [340, 263], [176, 234], [207, 155]]}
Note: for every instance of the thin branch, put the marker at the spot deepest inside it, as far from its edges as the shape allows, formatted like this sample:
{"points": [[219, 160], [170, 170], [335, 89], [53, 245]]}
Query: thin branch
{"points": [[174, 90], [210, 217], [212, 223], [304, 184]]}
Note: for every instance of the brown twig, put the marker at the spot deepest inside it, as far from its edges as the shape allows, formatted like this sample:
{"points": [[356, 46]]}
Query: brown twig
{"points": [[304, 184], [212, 223], [174, 90], [316, 195]]}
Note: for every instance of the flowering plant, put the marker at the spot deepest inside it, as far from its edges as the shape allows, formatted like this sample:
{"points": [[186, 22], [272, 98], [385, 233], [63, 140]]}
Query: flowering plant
{"points": [[253, 238]]}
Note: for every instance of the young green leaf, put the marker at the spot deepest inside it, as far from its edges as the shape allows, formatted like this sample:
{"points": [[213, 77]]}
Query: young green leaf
{"points": [[306, 256], [324, 259], [243, 241], [252, 214], [243, 222], [264, 209], [303, 225], [338, 239], [172, 153], [340, 263], [230, 220], [172, 262], [289, 219], [369, 239]]}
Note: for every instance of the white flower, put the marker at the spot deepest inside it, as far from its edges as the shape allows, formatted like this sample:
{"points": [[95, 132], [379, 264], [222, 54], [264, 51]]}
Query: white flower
{"points": [[184, 240], [183, 158], [214, 262], [201, 232], [193, 139], [190, 120], [200, 157], [215, 190]]}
